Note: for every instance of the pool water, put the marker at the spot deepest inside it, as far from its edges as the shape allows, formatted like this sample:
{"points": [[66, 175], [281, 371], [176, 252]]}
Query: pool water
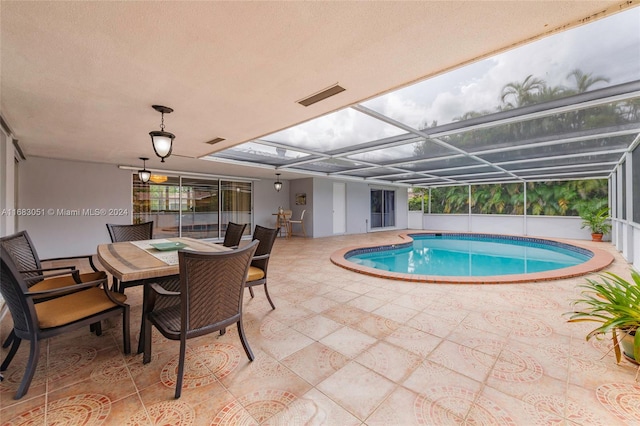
{"points": [[470, 255]]}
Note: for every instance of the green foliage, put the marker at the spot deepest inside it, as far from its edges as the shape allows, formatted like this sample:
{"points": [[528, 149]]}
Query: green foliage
{"points": [[450, 199], [567, 198], [497, 199], [415, 203], [613, 303]]}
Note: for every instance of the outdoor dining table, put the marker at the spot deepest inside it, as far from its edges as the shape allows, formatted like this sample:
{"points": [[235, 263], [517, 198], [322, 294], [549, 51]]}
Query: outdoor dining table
{"points": [[140, 261]]}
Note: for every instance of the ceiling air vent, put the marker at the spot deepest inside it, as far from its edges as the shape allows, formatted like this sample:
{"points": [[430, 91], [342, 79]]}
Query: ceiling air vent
{"points": [[326, 93], [214, 141]]}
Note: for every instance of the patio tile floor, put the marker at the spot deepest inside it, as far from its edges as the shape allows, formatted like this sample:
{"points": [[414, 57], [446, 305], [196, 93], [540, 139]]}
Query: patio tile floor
{"points": [[343, 348]]}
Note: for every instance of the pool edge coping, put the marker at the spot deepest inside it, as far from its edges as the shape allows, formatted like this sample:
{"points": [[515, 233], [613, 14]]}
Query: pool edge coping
{"points": [[600, 260]]}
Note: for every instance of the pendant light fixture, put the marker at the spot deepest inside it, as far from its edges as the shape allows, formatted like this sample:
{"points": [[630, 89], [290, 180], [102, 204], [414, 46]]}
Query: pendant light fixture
{"points": [[162, 141], [144, 174], [277, 184]]}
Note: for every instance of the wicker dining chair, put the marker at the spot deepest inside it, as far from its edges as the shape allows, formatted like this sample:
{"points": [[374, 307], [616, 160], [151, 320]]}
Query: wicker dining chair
{"points": [[233, 234], [135, 232], [260, 262], [22, 251], [123, 233], [64, 309], [211, 295]]}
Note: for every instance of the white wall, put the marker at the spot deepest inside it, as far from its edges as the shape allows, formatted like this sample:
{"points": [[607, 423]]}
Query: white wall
{"points": [[58, 186], [415, 220], [539, 226], [7, 185], [323, 207], [266, 201], [557, 227], [359, 207], [446, 222]]}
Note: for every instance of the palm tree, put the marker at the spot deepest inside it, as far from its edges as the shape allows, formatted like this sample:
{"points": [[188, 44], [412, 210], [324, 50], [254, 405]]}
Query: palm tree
{"points": [[585, 81], [522, 93]]}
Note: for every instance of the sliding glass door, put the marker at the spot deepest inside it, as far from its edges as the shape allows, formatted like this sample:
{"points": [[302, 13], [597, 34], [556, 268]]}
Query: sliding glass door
{"points": [[383, 208], [192, 207]]}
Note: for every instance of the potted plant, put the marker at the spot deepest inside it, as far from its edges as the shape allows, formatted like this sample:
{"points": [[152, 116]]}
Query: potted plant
{"points": [[614, 303], [597, 220]]}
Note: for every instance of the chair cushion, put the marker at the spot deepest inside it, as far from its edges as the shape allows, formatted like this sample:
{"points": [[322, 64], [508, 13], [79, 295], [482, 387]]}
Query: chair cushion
{"points": [[63, 281], [73, 307], [255, 274]]}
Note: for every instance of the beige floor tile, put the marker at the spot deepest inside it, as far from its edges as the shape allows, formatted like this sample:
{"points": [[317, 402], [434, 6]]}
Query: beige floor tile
{"points": [[416, 341], [315, 363], [348, 341], [317, 327], [432, 375], [390, 361], [357, 389], [406, 408], [464, 360]]}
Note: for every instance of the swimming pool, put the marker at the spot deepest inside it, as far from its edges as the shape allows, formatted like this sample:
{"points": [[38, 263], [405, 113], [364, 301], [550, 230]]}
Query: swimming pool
{"points": [[473, 258]]}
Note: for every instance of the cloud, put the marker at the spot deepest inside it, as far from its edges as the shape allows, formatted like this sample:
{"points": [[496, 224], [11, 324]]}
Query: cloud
{"points": [[609, 47]]}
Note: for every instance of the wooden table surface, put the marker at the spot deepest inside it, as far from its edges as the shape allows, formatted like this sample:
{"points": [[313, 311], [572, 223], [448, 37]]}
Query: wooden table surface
{"points": [[128, 262]]}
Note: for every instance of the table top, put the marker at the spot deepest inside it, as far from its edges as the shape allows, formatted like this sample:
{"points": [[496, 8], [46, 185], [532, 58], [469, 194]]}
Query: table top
{"points": [[128, 262]]}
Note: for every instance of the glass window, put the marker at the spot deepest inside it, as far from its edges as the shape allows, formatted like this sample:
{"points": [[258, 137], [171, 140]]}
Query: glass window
{"points": [[190, 207], [332, 132], [158, 201], [199, 208], [236, 204]]}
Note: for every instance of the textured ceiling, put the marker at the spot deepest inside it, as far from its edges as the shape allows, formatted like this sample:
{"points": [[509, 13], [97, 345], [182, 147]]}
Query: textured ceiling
{"points": [[78, 78]]}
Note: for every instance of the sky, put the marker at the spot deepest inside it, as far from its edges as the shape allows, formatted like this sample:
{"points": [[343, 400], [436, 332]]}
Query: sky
{"points": [[609, 47]]}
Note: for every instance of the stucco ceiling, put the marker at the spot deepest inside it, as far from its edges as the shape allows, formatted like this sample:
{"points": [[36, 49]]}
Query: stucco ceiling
{"points": [[78, 78]]}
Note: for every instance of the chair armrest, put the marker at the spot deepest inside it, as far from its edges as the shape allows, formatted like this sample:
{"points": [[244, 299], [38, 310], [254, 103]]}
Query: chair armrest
{"points": [[159, 290], [57, 268], [89, 257], [63, 291], [74, 273], [261, 257]]}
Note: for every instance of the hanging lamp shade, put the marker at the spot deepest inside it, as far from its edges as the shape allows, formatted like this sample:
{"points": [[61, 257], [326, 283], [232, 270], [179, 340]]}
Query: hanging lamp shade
{"points": [[277, 184], [162, 141], [144, 175]]}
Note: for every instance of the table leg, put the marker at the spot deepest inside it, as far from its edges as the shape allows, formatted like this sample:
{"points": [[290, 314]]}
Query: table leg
{"points": [[145, 308]]}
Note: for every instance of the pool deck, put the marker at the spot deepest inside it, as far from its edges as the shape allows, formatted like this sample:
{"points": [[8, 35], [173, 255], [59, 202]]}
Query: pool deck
{"points": [[600, 260]]}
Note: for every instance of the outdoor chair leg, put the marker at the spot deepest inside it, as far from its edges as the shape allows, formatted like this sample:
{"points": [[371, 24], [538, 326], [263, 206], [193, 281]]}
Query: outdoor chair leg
{"points": [[12, 352], [9, 339], [251, 292], [245, 344], [268, 297], [181, 360], [34, 352]]}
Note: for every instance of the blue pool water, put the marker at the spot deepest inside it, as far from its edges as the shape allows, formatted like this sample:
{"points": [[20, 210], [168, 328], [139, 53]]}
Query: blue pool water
{"points": [[470, 255]]}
